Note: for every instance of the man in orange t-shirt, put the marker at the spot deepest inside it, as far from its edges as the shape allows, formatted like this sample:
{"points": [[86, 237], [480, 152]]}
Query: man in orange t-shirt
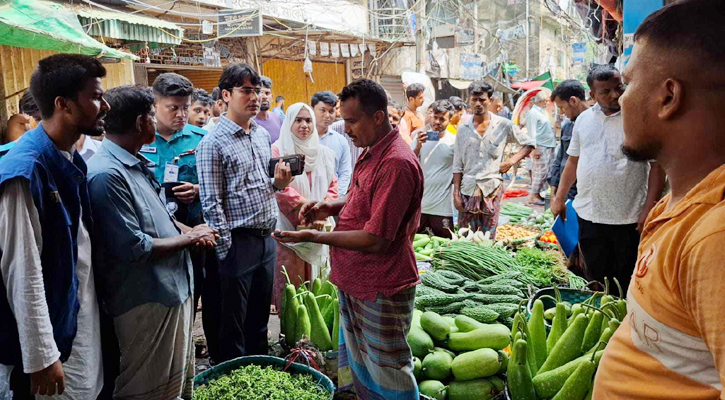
{"points": [[415, 94], [671, 345]]}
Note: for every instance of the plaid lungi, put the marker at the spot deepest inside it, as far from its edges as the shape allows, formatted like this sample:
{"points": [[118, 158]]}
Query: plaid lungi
{"points": [[540, 178], [373, 347], [486, 218]]}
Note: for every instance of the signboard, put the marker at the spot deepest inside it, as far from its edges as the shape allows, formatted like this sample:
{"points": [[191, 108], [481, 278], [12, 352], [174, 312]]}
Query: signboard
{"points": [[239, 24], [471, 66], [464, 37], [515, 32], [578, 53]]}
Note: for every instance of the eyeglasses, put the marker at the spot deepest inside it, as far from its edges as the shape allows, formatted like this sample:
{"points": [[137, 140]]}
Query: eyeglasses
{"points": [[249, 90]]}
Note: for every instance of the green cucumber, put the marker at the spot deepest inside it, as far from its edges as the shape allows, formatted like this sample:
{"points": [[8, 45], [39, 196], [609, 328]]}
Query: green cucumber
{"points": [[417, 366], [537, 329], [479, 389], [302, 326], [336, 327], [579, 383], [480, 363], [435, 325], [419, 341], [558, 327], [433, 389], [504, 361], [437, 365], [520, 383], [569, 345], [289, 311], [498, 384], [547, 384], [593, 331], [467, 324], [319, 334], [494, 336]]}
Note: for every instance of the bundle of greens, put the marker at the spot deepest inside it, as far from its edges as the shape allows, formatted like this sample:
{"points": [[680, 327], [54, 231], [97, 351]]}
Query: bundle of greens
{"points": [[253, 382]]}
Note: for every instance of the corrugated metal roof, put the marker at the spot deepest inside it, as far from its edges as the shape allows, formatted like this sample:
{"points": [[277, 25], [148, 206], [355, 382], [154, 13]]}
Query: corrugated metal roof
{"points": [[129, 27]]}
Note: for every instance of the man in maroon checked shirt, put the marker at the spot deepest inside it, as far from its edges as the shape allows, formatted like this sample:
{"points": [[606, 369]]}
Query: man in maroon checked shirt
{"points": [[373, 264]]}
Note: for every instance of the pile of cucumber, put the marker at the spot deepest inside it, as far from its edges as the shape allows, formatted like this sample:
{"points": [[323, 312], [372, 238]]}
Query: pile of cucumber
{"points": [[491, 299], [424, 246], [458, 358], [310, 313], [562, 365]]}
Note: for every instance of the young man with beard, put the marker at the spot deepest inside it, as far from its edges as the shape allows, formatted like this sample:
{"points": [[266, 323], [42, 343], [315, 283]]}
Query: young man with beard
{"points": [[671, 345], [271, 121], [323, 104], [49, 316], [436, 159], [614, 194], [478, 161], [142, 256], [569, 97], [238, 200], [373, 264]]}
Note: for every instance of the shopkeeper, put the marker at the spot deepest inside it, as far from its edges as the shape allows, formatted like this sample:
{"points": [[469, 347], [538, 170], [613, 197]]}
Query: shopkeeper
{"points": [[373, 264]]}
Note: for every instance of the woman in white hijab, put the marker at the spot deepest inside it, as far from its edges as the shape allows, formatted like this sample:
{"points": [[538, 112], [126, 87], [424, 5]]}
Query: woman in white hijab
{"points": [[298, 135]]}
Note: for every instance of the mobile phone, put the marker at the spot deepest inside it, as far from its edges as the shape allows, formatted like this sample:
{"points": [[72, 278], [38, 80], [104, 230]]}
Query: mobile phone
{"points": [[295, 161], [434, 136], [278, 234]]}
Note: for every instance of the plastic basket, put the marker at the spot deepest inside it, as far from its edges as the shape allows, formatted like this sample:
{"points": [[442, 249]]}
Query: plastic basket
{"points": [[573, 296], [226, 367]]}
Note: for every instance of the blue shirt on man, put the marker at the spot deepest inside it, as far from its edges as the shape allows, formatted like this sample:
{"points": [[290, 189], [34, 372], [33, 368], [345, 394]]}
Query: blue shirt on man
{"points": [[129, 214], [343, 165], [538, 127]]}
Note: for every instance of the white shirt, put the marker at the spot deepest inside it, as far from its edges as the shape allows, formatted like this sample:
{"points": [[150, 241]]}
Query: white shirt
{"points": [[21, 244], [436, 159], [89, 148], [611, 189]]}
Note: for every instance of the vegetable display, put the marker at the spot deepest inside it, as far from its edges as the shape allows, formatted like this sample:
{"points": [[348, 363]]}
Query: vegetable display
{"points": [[253, 382], [467, 360], [310, 314], [565, 361], [510, 232]]}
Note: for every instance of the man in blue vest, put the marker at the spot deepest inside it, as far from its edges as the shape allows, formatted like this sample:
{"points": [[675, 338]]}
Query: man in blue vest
{"points": [[53, 346], [174, 153]]}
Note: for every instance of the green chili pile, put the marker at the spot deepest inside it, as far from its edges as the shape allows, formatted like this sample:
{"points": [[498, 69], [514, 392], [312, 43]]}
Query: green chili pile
{"points": [[254, 382]]}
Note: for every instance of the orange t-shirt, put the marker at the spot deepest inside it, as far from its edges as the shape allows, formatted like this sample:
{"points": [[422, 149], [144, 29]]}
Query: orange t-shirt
{"points": [[413, 120], [672, 343]]}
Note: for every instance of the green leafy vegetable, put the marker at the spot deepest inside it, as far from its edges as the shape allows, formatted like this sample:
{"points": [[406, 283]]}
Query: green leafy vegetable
{"points": [[253, 382]]}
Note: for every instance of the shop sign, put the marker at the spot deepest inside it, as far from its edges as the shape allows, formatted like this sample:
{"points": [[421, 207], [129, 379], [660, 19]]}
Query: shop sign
{"points": [[579, 50], [239, 24], [471, 66], [515, 32]]}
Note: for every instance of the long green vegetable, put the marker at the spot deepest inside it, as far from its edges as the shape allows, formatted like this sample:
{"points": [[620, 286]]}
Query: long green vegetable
{"points": [[254, 382]]}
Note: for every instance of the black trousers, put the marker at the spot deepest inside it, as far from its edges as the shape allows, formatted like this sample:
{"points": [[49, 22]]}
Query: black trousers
{"points": [[246, 277], [211, 306], [608, 250]]}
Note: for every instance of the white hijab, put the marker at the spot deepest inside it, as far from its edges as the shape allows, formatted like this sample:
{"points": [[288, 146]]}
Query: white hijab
{"points": [[320, 163], [289, 144]]}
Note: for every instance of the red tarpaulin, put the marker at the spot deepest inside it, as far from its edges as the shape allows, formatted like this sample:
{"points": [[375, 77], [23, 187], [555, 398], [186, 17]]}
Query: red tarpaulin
{"points": [[527, 85]]}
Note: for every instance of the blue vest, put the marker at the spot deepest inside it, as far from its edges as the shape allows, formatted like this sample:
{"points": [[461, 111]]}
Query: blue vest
{"points": [[59, 191]]}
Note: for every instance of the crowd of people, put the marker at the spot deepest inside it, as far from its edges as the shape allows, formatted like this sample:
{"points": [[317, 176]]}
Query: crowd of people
{"points": [[119, 210]]}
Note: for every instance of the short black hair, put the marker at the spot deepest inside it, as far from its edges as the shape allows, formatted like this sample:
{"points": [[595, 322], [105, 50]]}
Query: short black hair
{"points": [[480, 87], [602, 72], [457, 103], [62, 75], [171, 84], [689, 25], [216, 94], [266, 82], [201, 96], [369, 93], [278, 99], [568, 89], [442, 106], [28, 106], [127, 103], [326, 97], [234, 75], [413, 90]]}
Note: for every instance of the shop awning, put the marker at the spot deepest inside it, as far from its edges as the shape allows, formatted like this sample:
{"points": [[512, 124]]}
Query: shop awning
{"points": [[132, 27], [42, 25]]}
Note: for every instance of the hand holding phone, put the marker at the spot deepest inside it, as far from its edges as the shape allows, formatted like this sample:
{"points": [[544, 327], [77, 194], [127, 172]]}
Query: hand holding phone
{"points": [[434, 136]]}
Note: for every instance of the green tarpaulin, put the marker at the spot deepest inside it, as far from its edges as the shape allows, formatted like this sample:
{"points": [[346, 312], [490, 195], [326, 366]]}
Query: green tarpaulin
{"points": [[44, 25]]}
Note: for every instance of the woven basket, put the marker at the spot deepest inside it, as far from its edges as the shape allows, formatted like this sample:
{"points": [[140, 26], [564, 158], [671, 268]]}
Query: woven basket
{"points": [[226, 367], [573, 296]]}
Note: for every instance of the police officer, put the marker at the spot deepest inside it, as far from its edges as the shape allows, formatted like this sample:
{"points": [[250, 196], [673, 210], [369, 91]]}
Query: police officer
{"points": [[174, 156]]}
